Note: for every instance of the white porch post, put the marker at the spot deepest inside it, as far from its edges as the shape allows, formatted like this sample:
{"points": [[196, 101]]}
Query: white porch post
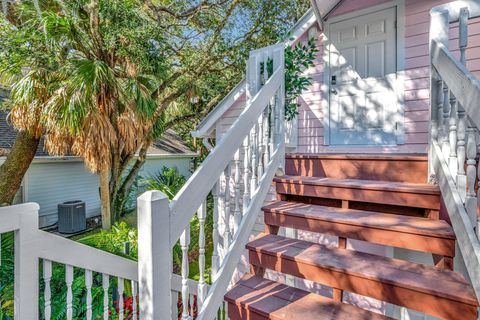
{"points": [[26, 264], [154, 256], [439, 25]]}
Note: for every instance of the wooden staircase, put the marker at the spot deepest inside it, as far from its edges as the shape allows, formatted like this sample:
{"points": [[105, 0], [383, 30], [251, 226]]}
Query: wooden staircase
{"points": [[374, 198]]}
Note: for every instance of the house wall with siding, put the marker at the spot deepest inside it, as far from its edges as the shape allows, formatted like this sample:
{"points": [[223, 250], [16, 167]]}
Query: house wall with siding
{"points": [[52, 182], [416, 63]]}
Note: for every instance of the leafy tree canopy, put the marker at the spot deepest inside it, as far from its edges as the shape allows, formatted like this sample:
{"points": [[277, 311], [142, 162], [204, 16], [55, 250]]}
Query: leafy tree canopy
{"points": [[102, 79]]}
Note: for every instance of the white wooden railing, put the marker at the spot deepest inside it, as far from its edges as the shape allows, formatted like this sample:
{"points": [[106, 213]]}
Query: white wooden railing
{"points": [[36, 250], [455, 123], [37, 254], [239, 172]]}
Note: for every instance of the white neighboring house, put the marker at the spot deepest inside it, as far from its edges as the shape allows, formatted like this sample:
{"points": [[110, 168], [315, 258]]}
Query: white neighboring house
{"points": [[53, 180]]}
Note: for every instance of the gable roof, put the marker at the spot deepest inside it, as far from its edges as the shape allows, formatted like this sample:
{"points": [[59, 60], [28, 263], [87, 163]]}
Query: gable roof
{"points": [[169, 145], [207, 125]]}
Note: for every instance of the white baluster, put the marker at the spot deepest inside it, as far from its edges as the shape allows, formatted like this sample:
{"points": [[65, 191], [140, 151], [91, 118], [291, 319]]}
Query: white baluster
{"points": [[221, 216], [121, 284], [461, 132], [445, 123], [69, 281], [134, 299], [105, 286], [253, 155], [471, 201], [47, 276], [277, 119], [246, 173], [202, 286], [440, 111], [272, 125], [88, 285], [260, 148], [227, 235], [215, 233], [185, 243], [237, 214], [453, 163], [266, 144]]}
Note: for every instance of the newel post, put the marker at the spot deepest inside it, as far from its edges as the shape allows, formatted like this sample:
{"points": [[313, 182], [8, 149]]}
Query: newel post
{"points": [[26, 262], [154, 256], [439, 24]]}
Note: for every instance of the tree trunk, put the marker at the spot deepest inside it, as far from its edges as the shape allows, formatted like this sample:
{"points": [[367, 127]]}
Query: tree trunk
{"points": [[120, 196], [16, 165], [105, 200]]}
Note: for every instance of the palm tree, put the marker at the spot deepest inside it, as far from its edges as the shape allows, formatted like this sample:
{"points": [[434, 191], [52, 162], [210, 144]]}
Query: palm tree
{"points": [[96, 103]]}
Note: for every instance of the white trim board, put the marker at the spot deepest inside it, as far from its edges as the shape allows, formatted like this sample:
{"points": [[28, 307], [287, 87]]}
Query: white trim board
{"points": [[400, 89]]}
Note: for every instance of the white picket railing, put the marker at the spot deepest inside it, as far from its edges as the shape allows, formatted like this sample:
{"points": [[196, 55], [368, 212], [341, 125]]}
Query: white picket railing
{"points": [[34, 248], [455, 123], [239, 172], [38, 253]]}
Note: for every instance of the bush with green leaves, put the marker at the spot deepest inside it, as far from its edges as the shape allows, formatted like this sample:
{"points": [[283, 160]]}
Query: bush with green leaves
{"points": [[168, 181], [298, 58], [114, 240]]}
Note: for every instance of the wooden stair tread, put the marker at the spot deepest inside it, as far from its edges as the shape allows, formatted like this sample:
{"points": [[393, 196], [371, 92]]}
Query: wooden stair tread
{"points": [[417, 188], [415, 277], [277, 301], [368, 219]]}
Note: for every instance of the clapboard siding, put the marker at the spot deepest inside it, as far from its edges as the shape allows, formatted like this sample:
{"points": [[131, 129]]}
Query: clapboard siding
{"points": [[417, 82], [51, 183]]}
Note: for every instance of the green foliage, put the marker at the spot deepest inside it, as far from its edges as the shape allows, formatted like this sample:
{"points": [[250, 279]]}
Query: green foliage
{"points": [[114, 240], [169, 181], [298, 58], [6, 276]]}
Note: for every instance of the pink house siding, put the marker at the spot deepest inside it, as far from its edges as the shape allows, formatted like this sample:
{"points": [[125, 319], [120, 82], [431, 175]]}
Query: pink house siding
{"points": [[416, 63]]}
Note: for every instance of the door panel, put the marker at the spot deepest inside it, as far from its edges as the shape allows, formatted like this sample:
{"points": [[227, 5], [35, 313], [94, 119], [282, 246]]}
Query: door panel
{"points": [[362, 62]]}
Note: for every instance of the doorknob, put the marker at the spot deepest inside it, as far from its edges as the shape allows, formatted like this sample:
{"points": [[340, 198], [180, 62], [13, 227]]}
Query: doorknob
{"points": [[333, 90]]}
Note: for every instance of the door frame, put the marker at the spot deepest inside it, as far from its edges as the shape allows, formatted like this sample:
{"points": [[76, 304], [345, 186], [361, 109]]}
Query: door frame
{"points": [[400, 64]]}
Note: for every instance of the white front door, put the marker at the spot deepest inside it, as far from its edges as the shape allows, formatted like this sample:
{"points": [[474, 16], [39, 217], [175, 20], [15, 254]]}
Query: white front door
{"points": [[362, 76]]}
